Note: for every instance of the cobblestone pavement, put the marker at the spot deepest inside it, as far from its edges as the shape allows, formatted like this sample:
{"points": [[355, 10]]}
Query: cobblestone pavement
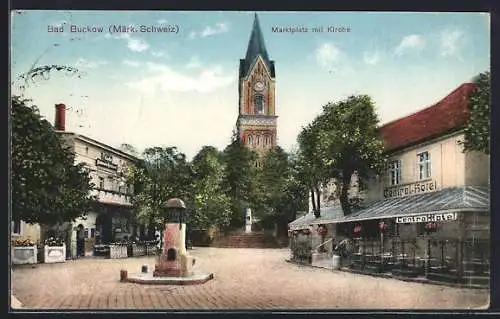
{"points": [[243, 279]]}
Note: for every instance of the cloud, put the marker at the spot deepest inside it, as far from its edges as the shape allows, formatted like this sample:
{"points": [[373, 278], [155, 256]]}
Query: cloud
{"points": [[327, 54], [413, 42], [451, 42], [371, 58], [83, 63], [163, 78], [193, 63], [220, 27], [162, 21], [134, 44], [158, 54], [131, 63]]}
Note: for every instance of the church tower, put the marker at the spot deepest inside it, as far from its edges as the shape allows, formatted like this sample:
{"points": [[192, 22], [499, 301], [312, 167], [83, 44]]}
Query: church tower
{"points": [[257, 120]]}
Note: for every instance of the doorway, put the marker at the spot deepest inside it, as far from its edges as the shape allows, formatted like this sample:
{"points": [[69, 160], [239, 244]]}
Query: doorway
{"points": [[80, 241], [104, 225]]}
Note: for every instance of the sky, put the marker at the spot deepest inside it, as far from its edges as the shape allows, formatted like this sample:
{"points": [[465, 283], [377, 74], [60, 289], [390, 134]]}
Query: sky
{"points": [[179, 87]]}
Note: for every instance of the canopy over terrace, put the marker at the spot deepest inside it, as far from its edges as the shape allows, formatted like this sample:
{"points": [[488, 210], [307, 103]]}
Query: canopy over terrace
{"points": [[458, 199], [328, 214]]}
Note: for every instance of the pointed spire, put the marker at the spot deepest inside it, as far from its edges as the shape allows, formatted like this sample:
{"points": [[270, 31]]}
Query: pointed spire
{"points": [[256, 46]]}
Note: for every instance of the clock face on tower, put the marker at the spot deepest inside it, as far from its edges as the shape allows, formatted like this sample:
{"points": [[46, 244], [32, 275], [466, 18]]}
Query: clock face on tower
{"points": [[259, 86]]}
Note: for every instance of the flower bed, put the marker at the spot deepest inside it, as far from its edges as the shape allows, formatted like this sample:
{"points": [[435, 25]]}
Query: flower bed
{"points": [[24, 252]]}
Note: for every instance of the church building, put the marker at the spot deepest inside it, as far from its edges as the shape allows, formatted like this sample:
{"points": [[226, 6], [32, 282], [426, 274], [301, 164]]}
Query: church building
{"points": [[257, 120]]}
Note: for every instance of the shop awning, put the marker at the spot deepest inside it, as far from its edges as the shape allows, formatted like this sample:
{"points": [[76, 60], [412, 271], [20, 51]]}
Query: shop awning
{"points": [[459, 199]]}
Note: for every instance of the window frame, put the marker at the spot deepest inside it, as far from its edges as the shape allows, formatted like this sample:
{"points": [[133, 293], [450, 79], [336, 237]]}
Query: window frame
{"points": [[259, 100], [424, 165], [395, 172], [101, 182]]}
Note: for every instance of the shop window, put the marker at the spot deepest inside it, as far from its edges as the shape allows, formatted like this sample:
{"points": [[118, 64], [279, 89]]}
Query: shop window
{"points": [[424, 165]]}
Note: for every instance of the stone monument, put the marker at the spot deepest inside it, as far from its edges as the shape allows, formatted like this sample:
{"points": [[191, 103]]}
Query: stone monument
{"points": [[248, 220], [173, 265], [174, 259]]}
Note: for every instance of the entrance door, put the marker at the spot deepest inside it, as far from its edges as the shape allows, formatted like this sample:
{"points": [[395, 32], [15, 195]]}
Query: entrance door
{"points": [[104, 225], [80, 241]]}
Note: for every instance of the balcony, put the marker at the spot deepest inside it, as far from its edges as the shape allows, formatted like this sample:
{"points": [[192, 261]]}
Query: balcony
{"points": [[106, 196]]}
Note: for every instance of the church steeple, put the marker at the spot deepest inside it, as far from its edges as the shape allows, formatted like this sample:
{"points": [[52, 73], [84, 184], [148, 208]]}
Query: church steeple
{"points": [[257, 119], [256, 47]]}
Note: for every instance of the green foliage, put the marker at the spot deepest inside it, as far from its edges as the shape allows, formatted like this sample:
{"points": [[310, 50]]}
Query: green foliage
{"points": [[310, 164], [342, 141], [240, 184], [282, 193], [47, 187], [162, 174], [212, 207], [478, 129]]}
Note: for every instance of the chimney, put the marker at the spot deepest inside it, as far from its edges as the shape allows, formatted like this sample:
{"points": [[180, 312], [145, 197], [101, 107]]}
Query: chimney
{"points": [[60, 121]]}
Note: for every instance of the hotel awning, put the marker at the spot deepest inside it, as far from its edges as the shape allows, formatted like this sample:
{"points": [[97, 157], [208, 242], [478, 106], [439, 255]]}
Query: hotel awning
{"points": [[458, 199], [327, 214]]}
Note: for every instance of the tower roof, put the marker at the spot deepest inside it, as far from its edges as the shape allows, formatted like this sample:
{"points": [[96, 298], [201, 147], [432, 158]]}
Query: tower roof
{"points": [[256, 47]]}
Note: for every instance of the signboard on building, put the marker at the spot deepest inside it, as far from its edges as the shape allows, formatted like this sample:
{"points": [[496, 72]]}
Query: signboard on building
{"points": [[425, 218], [410, 189], [106, 161]]}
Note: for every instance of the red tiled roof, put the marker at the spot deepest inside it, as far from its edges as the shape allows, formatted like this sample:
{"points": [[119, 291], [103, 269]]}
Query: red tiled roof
{"points": [[448, 114]]}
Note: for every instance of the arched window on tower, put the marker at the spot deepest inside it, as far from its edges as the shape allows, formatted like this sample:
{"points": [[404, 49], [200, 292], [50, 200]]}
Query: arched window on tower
{"points": [[258, 139], [258, 102], [250, 140]]}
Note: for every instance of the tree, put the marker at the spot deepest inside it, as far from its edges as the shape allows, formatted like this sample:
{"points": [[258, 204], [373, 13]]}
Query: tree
{"points": [[129, 149], [283, 194], [349, 143], [163, 173], [240, 181], [310, 164], [212, 207], [47, 187], [477, 131]]}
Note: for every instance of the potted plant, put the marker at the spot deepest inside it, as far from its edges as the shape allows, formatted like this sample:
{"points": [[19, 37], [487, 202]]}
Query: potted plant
{"points": [[54, 250], [24, 251]]}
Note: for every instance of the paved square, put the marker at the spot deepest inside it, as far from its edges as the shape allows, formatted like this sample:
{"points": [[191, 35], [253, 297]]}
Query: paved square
{"points": [[243, 279]]}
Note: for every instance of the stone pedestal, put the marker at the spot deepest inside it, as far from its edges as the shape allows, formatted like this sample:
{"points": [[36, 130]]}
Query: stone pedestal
{"points": [[174, 265], [174, 260], [248, 220]]}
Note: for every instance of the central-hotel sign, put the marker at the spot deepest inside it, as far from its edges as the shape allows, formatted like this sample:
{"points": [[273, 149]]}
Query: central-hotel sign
{"points": [[426, 218], [410, 189]]}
